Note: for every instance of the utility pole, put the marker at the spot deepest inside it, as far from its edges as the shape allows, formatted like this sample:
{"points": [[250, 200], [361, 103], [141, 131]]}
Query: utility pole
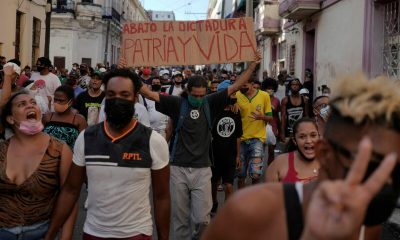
{"points": [[249, 13], [47, 34], [107, 36]]}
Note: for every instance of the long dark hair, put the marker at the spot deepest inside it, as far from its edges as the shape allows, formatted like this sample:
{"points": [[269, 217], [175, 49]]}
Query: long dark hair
{"points": [[7, 109], [292, 145]]}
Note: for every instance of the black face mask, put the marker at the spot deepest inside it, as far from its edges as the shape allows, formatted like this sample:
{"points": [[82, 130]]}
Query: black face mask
{"points": [[119, 112], [383, 204], [244, 90], [82, 71], [40, 68], [155, 87], [232, 101]]}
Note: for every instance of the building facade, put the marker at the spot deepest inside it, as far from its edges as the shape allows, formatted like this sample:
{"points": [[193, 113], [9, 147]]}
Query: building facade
{"points": [[332, 38], [22, 29], [161, 15], [90, 31]]}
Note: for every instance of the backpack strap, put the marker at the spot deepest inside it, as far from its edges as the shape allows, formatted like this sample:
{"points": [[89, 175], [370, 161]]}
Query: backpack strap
{"points": [[144, 102], [207, 112], [182, 114], [294, 212], [171, 90]]}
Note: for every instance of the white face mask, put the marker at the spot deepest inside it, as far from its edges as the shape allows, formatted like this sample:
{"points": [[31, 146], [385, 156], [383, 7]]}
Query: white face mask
{"points": [[324, 113]]}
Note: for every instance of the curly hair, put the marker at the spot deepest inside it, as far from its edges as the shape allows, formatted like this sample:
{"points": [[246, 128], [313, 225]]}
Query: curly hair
{"points": [[361, 101], [124, 72]]}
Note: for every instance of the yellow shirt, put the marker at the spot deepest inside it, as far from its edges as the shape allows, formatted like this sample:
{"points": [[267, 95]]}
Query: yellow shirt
{"points": [[260, 103]]}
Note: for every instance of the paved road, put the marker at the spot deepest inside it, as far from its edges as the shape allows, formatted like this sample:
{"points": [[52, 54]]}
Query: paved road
{"points": [[391, 229]]}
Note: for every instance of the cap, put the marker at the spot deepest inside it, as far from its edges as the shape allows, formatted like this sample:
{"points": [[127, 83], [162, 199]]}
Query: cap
{"points": [[224, 85], [16, 68], [165, 71], [304, 91], [146, 71], [177, 73]]}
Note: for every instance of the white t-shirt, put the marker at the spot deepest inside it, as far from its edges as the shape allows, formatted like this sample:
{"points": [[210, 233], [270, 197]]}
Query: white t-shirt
{"points": [[177, 90], [52, 82], [280, 92], [141, 114], [119, 197], [158, 121]]}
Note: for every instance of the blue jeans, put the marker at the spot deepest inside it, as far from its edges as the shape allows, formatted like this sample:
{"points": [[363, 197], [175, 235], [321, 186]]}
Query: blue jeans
{"points": [[35, 231], [251, 153]]}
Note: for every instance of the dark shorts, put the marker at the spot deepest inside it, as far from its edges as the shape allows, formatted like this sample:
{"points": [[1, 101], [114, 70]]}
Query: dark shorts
{"points": [[224, 167]]}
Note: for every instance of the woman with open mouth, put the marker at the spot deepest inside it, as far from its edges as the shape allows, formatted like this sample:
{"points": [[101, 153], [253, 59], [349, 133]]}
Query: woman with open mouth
{"points": [[33, 168], [299, 165]]}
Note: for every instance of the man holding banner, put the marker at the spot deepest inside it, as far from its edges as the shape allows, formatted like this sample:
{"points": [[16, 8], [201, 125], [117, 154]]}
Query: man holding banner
{"points": [[190, 159]]}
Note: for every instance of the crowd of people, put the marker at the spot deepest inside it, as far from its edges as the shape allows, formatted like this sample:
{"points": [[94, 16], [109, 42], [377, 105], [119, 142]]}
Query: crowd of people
{"points": [[178, 137]]}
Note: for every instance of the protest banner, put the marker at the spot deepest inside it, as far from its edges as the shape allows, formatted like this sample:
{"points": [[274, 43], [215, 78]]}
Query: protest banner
{"points": [[209, 41]]}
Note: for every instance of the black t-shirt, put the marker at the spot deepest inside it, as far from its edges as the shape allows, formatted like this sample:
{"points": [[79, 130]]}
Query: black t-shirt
{"points": [[226, 130], [194, 140], [84, 101]]}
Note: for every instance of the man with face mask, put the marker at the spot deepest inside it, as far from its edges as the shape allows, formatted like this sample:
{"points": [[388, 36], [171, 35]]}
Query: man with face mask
{"points": [[52, 82], [88, 103], [123, 160], [321, 112], [270, 85], [256, 112], [357, 185], [85, 77], [191, 155], [293, 107], [178, 87]]}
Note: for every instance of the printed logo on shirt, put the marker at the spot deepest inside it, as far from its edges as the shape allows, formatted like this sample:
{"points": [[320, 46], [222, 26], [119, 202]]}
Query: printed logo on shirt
{"points": [[225, 127], [258, 108], [194, 114], [131, 156]]}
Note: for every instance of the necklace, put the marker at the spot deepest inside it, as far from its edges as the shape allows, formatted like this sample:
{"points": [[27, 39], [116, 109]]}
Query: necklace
{"points": [[315, 171]]}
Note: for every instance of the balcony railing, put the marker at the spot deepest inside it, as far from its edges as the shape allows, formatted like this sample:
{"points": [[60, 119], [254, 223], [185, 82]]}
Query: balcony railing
{"points": [[64, 6], [84, 9], [298, 9], [267, 21]]}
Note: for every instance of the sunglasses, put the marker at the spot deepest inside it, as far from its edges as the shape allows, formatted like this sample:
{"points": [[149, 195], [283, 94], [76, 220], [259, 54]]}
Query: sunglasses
{"points": [[375, 161]]}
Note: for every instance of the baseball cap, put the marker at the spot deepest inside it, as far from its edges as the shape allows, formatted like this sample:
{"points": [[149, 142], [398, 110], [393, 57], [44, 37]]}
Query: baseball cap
{"points": [[224, 85]]}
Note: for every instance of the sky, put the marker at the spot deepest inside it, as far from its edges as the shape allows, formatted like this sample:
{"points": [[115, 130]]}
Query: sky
{"points": [[183, 9]]}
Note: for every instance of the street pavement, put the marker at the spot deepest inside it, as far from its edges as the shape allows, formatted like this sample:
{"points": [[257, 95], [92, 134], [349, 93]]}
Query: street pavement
{"points": [[391, 229]]}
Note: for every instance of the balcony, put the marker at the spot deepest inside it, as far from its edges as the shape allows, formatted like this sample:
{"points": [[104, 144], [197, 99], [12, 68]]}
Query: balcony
{"points": [[298, 9], [64, 6], [267, 19], [88, 11]]}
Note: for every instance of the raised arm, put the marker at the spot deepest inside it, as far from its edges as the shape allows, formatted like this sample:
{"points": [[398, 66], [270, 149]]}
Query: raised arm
{"points": [[9, 73], [147, 93], [245, 76], [144, 90]]}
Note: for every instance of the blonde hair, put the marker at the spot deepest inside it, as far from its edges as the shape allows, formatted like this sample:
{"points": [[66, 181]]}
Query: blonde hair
{"points": [[362, 100]]}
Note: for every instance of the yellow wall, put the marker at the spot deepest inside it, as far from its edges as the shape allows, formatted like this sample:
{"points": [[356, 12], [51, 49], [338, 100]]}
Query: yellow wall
{"points": [[29, 10]]}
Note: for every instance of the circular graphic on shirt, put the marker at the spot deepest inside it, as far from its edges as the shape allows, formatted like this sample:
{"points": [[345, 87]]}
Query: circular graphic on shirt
{"points": [[225, 127], [194, 114]]}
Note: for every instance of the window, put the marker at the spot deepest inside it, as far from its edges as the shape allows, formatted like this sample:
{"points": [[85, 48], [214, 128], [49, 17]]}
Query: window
{"points": [[87, 61], [156, 15], [169, 16], [18, 35], [282, 50], [35, 40], [59, 62], [391, 49], [292, 59], [87, 1]]}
